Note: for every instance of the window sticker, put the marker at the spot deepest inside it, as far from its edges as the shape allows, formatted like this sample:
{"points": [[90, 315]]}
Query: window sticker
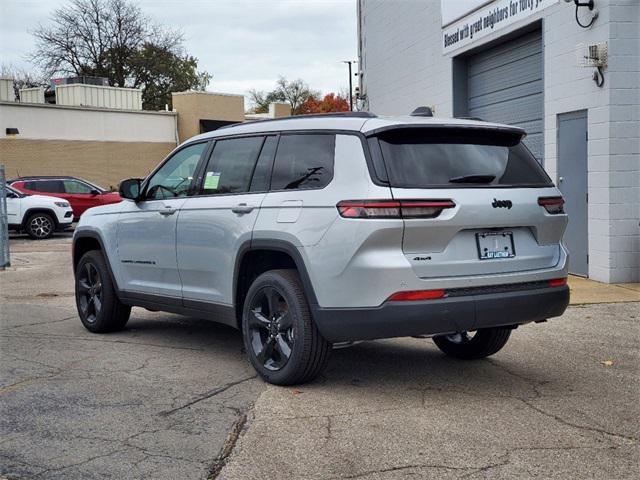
{"points": [[212, 180]]}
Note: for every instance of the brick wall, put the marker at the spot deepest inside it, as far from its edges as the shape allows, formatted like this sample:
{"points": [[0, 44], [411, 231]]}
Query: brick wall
{"points": [[103, 163]]}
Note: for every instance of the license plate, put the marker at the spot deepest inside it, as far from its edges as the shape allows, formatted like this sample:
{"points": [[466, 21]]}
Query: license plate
{"points": [[495, 245]]}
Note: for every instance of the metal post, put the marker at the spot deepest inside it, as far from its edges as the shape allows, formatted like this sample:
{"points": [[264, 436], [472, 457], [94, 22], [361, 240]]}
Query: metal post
{"points": [[350, 89], [4, 223], [349, 62]]}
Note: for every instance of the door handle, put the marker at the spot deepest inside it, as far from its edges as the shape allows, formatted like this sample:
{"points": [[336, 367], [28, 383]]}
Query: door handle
{"points": [[168, 211], [560, 179], [242, 208]]}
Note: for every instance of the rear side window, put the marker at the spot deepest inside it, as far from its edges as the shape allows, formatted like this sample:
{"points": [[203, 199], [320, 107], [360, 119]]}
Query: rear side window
{"points": [[231, 165], [303, 162], [75, 187], [436, 158], [261, 177], [51, 186]]}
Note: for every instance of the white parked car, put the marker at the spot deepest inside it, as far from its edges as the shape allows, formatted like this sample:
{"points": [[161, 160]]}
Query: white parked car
{"points": [[37, 215]]}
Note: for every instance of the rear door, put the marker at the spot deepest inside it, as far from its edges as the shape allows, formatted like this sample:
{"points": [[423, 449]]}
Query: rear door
{"points": [[215, 222], [51, 188], [483, 188]]}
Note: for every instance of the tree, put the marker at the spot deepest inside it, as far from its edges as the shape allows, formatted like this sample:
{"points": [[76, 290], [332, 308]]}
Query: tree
{"points": [[261, 100], [331, 102], [295, 93], [22, 78], [158, 71], [114, 39]]}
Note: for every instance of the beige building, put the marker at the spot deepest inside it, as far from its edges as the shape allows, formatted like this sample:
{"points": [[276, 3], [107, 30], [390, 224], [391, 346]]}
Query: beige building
{"points": [[102, 135]]}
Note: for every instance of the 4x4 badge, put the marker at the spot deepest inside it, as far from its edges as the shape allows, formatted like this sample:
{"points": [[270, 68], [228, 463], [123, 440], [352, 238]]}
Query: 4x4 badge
{"points": [[502, 203]]}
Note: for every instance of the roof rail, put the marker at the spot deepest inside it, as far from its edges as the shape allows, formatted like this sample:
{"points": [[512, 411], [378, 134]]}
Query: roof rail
{"points": [[311, 115], [33, 177]]}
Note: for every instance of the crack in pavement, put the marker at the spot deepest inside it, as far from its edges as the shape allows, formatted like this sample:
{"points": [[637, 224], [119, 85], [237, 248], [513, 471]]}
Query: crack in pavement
{"points": [[575, 425], [38, 378], [209, 394], [236, 430], [402, 467], [40, 323], [88, 460], [88, 339], [503, 460]]}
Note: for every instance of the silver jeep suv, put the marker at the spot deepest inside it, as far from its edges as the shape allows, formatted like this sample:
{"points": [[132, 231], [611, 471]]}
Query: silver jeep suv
{"points": [[311, 231]]}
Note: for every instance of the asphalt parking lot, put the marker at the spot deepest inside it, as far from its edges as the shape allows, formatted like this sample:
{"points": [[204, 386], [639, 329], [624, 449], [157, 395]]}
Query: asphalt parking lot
{"points": [[173, 397]]}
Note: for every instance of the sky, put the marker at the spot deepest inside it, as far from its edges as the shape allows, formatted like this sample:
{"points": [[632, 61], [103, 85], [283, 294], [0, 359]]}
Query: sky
{"points": [[244, 44]]}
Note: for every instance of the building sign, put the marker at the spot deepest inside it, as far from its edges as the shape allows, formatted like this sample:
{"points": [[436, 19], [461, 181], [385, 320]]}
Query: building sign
{"points": [[487, 19]]}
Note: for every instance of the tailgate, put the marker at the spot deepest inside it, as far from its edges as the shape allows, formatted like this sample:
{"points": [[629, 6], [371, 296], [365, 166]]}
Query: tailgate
{"points": [[469, 239]]}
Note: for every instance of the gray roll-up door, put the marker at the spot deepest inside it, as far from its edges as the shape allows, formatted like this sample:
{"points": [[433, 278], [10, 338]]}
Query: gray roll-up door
{"points": [[505, 85]]}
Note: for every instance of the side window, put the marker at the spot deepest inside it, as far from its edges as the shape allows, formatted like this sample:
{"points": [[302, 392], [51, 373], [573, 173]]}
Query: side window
{"points": [[175, 176], [51, 186], [73, 186], [231, 165], [261, 174], [303, 161], [31, 186]]}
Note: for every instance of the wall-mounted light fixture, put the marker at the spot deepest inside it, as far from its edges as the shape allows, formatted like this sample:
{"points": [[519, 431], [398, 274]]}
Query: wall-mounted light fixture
{"points": [[12, 131], [590, 4]]}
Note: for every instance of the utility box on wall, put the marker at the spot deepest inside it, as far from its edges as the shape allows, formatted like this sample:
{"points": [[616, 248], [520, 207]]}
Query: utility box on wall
{"points": [[81, 95]]}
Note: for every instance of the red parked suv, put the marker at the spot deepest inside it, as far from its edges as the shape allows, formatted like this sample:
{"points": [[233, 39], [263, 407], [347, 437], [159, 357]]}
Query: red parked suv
{"points": [[79, 193]]}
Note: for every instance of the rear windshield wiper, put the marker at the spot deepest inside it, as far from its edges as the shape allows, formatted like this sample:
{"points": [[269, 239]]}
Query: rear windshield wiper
{"points": [[473, 179]]}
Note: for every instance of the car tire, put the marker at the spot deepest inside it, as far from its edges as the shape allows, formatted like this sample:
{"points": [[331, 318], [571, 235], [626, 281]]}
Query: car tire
{"points": [[40, 226], [281, 339], [482, 344], [98, 305]]}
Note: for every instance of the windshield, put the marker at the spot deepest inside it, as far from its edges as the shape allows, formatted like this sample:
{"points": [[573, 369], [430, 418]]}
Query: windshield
{"points": [[453, 158], [14, 191]]}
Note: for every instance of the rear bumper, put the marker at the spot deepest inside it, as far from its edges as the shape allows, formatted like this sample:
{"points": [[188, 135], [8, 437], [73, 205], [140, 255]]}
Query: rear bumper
{"points": [[447, 315]]}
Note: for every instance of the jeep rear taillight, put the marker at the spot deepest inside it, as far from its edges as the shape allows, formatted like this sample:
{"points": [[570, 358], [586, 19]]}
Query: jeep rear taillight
{"points": [[553, 205], [393, 208]]}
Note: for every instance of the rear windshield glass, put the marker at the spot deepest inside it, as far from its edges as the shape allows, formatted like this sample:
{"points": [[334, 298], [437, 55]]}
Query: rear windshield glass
{"points": [[426, 158]]}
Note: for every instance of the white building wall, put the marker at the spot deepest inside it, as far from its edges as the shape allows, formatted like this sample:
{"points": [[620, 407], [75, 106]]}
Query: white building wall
{"points": [[624, 141], [403, 66], [55, 122]]}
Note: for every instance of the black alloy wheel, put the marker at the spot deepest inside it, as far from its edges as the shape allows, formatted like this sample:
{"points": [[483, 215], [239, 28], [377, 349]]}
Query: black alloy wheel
{"points": [[90, 292], [271, 329], [280, 337], [97, 301]]}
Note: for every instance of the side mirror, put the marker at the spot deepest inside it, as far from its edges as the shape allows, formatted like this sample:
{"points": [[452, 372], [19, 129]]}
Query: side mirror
{"points": [[130, 188], [94, 192]]}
